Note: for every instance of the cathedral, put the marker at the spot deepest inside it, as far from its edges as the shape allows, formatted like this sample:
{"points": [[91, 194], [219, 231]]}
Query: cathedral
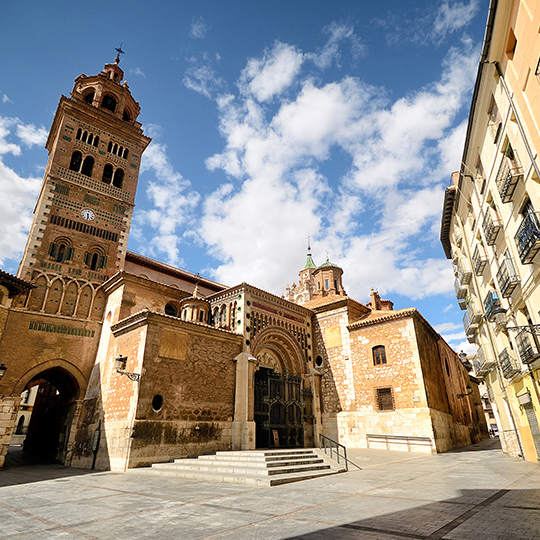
{"points": [[138, 362]]}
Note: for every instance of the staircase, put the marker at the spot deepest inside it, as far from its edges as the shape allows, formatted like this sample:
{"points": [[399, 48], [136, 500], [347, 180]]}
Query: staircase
{"points": [[253, 467]]}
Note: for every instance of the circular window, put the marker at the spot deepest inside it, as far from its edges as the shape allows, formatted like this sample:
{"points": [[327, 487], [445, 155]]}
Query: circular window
{"points": [[318, 361], [171, 309], [157, 402]]}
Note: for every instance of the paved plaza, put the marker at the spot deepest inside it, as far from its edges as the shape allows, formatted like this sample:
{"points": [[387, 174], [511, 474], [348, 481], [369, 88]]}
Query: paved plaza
{"points": [[476, 493]]}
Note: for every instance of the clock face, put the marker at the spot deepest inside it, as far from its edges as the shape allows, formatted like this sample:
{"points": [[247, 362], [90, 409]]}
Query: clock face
{"points": [[88, 214]]}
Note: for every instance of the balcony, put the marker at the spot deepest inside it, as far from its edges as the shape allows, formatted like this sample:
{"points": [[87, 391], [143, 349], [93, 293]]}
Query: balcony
{"points": [[480, 259], [491, 301], [527, 346], [464, 273], [507, 277], [470, 328], [492, 224], [509, 363], [474, 311], [509, 174], [461, 290], [485, 363], [528, 238]]}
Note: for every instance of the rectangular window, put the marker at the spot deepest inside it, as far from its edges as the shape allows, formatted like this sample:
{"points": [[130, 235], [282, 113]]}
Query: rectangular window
{"points": [[385, 399], [379, 355], [326, 284]]}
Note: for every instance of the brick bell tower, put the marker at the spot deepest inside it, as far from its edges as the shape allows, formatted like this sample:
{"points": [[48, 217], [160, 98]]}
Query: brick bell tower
{"points": [[83, 214]]}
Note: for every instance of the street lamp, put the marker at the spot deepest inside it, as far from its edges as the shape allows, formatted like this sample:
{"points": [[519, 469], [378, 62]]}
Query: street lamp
{"points": [[120, 365], [3, 370], [468, 393]]}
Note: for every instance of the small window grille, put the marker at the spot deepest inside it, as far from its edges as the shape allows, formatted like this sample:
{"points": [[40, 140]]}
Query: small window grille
{"points": [[385, 399]]}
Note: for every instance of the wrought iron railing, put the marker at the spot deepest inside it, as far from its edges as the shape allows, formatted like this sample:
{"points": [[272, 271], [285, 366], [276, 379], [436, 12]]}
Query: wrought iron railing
{"points": [[507, 277], [479, 259], [509, 174], [527, 347], [464, 273], [335, 450], [491, 301], [492, 224], [485, 363], [461, 290], [528, 238], [509, 363], [470, 328]]}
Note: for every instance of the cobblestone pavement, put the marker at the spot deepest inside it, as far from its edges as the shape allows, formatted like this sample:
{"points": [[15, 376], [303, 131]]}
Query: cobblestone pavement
{"points": [[477, 493]]}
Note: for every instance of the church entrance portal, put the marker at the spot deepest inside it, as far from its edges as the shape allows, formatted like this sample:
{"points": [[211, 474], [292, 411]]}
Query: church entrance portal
{"points": [[281, 409], [52, 414]]}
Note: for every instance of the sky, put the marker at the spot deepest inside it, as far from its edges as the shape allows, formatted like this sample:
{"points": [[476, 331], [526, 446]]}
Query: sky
{"points": [[341, 120]]}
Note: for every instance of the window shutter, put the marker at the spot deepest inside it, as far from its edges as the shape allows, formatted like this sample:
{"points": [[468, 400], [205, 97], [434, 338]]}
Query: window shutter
{"points": [[102, 262], [69, 254], [87, 258], [52, 249]]}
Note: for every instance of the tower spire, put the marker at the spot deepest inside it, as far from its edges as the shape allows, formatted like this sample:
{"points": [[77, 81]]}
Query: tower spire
{"points": [[119, 51]]}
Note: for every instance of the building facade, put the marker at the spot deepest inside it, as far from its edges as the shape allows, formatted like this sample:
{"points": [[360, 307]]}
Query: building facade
{"points": [[490, 226], [137, 361]]}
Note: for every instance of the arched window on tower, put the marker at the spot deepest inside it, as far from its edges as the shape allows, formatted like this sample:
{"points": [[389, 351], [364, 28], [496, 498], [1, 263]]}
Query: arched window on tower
{"points": [[96, 141], [84, 136], [125, 116], [171, 309], [76, 159], [107, 173], [61, 251], [87, 166], [90, 139], [89, 98], [79, 134], [109, 103], [125, 153], [109, 148], [95, 259], [118, 178]]}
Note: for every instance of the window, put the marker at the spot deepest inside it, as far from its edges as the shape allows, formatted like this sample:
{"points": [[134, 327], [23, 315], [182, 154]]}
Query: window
{"points": [[335, 284], [379, 355], [125, 116], [88, 165], [495, 121], [95, 260], [89, 98], [109, 103], [511, 45], [118, 178], [171, 309], [326, 285], [384, 398], [60, 251], [107, 173], [75, 164]]}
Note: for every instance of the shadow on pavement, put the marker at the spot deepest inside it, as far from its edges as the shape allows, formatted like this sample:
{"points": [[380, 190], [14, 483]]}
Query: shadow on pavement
{"points": [[23, 468]]}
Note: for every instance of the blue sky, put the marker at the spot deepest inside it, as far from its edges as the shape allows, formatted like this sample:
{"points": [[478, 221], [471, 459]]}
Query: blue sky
{"points": [[271, 121]]}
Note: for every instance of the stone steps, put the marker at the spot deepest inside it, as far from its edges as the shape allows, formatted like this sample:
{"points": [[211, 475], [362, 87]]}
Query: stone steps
{"points": [[261, 467]]}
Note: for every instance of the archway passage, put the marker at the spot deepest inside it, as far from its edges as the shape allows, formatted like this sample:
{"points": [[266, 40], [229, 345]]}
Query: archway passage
{"points": [[52, 415], [279, 410]]}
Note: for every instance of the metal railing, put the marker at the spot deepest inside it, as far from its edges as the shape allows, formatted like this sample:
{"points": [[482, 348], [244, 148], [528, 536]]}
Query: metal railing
{"points": [[509, 174], [480, 259], [528, 238], [332, 448], [492, 224], [410, 441], [509, 363], [491, 301], [507, 277], [527, 347]]}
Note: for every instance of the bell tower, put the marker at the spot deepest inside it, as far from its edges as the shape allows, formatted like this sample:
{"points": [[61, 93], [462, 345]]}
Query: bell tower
{"points": [[84, 211]]}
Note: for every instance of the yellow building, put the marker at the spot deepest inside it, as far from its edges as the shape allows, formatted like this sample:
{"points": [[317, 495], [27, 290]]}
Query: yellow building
{"points": [[490, 225]]}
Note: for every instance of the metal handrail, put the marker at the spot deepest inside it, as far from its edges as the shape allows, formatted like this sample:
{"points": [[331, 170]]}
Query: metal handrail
{"points": [[323, 440]]}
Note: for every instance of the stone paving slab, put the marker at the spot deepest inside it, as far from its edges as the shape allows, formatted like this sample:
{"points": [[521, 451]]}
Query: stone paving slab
{"points": [[476, 494]]}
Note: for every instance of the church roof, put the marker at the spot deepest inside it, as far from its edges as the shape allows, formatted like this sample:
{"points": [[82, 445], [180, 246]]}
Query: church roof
{"points": [[309, 262]]}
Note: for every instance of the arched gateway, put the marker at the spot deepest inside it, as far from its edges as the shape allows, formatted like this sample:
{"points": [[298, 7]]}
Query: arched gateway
{"points": [[282, 394]]}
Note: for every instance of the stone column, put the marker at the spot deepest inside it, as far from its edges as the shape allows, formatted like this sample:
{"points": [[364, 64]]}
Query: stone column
{"points": [[9, 407], [243, 429]]}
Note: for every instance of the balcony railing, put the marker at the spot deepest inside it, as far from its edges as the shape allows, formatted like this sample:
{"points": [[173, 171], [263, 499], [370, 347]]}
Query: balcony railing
{"points": [[509, 363], [492, 224], [470, 328], [507, 277], [484, 361], [474, 311], [509, 174], [480, 259], [461, 290], [528, 238], [491, 301], [527, 347], [464, 271]]}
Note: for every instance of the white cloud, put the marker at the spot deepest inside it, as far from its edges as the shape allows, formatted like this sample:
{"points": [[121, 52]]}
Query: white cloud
{"points": [[172, 200], [330, 52], [5, 99], [452, 16], [138, 71], [446, 327], [379, 217], [198, 28], [203, 80], [268, 77], [30, 135]]}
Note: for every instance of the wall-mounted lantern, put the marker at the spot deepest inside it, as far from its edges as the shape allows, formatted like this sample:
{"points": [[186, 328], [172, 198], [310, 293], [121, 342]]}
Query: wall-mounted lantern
{"points": [[468, 393], [3, 370], [120, 365]]}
